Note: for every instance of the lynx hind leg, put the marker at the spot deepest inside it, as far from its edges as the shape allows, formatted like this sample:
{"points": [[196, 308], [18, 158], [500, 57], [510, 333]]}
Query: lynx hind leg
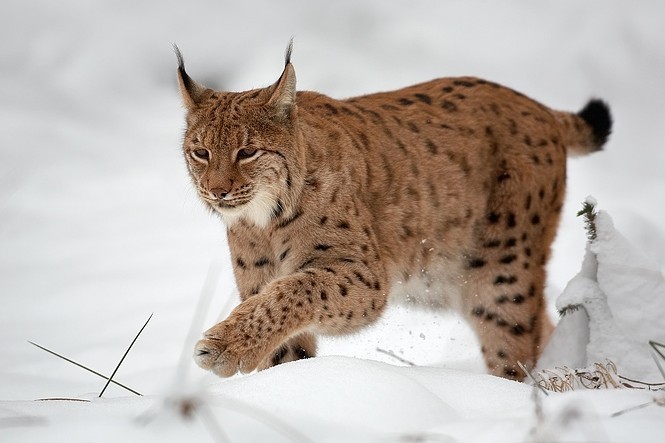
{"points": [[297, 348], [504, 299]]}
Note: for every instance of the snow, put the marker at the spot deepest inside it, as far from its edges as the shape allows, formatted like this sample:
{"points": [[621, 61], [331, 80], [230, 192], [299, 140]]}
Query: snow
{"points": [[99, 226], [612, 325]]}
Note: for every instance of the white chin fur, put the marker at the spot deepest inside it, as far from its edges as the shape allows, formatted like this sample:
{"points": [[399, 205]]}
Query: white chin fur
{"points": [[258, 211]]}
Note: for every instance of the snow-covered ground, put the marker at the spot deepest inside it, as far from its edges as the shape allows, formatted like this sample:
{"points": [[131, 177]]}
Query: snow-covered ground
{"points": [[99, 226]]}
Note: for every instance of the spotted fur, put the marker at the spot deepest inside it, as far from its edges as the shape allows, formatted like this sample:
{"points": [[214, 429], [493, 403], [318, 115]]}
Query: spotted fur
{"points": [[447, 192]]}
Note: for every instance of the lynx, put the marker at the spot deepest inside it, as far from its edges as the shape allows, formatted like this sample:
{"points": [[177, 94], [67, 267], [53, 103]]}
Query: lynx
{"points": [[447, 193]]}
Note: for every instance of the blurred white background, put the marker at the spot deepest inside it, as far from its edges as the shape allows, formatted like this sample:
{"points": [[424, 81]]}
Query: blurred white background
{"points": [[99, 226]]}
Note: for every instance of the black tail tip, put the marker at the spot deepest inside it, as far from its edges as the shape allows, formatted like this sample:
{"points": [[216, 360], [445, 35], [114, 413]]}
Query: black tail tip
{"points": [[597, 114]]}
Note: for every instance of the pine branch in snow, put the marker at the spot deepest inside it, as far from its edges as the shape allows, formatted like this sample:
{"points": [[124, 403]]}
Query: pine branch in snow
{"points": [[589, 213], [609, 309]]}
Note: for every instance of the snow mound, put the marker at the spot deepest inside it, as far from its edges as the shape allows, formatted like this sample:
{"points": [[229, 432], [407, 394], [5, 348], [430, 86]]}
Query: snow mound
{"points": [[339, 399], [620, 294]]}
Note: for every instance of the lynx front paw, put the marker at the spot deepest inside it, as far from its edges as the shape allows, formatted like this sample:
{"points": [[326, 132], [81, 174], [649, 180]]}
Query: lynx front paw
{"points": [[224, 353]]}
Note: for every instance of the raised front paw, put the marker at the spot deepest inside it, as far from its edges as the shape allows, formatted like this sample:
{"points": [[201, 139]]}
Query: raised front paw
{"points": [[225, 351]]}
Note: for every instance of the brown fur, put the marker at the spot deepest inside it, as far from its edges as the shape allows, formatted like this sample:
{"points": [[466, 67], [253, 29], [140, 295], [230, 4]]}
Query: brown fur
{"points": [[333, 205]]}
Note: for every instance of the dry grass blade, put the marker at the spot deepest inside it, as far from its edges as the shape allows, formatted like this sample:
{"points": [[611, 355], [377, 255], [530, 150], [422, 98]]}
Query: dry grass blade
{"points": [[205, 297], [637, 384], [214, 429], [263, 417], [123, 357], [655, 345], [631, 409], [189, 404], [395, 356], [528, 374], [85, 367], [63, 399], [600, 376]]}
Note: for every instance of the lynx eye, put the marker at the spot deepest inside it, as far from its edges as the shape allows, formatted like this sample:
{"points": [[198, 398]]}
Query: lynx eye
{"points": [[246, 153], [201, 154]]}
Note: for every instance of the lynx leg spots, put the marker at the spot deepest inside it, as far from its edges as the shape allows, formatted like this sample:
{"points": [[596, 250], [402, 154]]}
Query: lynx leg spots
{"points": [[507, 259], [476, 263], [301, 353], [298, 348], [493, 218], [492, 244], [505, 280], [279, 355], [511, 220], [501, 299], [510, 373]]}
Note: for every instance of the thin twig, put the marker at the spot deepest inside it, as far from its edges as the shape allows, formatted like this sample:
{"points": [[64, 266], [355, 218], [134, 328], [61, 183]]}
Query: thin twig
{"points": [[85, 367], [658, 365], [63, 399], [208, 419], [205, 297], [634, 408], [654, 345], [186, 404], [201, 405], [123, 357], [640, 382], [261, 416], [395, 356]]}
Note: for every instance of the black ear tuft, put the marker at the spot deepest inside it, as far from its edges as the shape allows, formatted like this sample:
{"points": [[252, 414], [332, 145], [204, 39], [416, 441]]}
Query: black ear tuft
{"points": [[597, 114], [289, 50], [181, 67], [178, 54], [192, 92]]}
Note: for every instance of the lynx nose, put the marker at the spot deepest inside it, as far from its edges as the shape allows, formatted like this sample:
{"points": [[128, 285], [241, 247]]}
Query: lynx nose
{"points": [[219, 193]]}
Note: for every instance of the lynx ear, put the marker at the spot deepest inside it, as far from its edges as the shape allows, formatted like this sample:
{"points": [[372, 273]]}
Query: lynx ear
{"points": [[190, 90], [283, 93]]}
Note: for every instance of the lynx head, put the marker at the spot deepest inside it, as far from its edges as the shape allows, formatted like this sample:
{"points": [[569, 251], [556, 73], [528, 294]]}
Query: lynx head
{"points": [[242, 148]]}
